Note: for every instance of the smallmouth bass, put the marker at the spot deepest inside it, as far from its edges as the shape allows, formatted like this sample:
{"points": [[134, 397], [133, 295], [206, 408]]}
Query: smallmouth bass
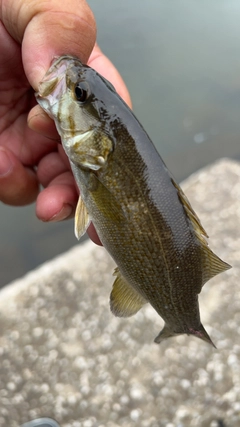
{"points": [[141, 215]]}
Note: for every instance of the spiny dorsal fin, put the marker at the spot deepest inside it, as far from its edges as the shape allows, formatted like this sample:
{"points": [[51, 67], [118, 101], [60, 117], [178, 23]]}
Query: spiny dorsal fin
{"points": [[124, 299], [190, 212], [82, 219]]}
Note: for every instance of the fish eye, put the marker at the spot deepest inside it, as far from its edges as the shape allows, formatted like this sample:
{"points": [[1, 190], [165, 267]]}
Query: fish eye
{"points": [[81, 92]]}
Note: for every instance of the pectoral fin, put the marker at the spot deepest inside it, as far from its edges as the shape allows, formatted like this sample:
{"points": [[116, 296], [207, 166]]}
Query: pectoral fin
{"points": [[124, 299], [82, 219], [106, 201]]}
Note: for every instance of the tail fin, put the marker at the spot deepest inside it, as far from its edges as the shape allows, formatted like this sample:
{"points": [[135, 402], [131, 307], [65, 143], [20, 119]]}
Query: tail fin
{"points": [[201, 333], [164, 334]]}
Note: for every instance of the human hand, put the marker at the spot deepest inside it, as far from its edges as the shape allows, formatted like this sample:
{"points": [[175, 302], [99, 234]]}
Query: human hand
{"points": [[31, 34]]}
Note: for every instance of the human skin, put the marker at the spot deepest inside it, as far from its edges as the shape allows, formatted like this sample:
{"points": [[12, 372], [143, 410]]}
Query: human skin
{"points": [[32, 33]]}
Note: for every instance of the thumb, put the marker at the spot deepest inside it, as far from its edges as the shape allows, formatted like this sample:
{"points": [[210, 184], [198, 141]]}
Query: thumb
{"points": [[47, 29]]}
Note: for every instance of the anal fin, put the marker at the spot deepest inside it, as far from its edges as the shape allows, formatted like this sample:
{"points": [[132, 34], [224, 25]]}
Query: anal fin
{"points": [[125, 301]]}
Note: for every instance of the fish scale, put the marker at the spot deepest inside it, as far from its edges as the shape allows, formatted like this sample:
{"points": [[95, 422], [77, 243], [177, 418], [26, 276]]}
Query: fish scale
{"points": [[141, 215]]}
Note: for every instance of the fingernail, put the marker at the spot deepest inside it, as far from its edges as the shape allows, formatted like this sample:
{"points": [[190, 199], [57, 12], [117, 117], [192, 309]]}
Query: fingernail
{"points": [[64, 213], [5, 162]]}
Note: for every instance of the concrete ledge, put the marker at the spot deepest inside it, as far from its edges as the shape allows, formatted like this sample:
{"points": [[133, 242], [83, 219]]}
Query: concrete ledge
{"points": [[63, 354]]}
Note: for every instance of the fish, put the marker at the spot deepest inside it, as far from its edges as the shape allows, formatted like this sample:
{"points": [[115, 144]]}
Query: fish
{"points": [[141, 215]]}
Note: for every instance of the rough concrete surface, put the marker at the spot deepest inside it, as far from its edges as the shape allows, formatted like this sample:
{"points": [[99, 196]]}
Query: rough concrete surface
{"points": [[64, 355]]}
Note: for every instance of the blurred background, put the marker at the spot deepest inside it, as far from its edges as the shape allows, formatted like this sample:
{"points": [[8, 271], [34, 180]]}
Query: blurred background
{"points": [[181, 63]]}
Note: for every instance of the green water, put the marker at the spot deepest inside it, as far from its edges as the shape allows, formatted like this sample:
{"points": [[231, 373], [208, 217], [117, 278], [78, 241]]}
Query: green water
{"points": [[181, 62]]}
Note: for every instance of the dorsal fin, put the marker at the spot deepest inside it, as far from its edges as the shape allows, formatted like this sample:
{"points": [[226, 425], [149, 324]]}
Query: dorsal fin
{"points": [[124, 299], [212, 264]]}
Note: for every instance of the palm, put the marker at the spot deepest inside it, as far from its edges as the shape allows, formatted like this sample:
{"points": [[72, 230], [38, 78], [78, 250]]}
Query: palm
{"points": [[27, 148], [17, 98]]}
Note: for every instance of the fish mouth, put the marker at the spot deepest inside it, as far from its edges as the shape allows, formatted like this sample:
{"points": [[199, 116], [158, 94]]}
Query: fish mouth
{"points": [[68, 59], [54, 83], [51, 87]]}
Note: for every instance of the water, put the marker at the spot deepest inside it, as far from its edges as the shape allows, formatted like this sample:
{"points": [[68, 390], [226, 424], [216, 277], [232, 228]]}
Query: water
{"points": [[181, 62]]}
